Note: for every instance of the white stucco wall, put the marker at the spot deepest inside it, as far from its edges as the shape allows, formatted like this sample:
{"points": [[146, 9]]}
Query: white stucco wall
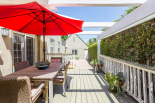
{"points": [[78, 44], [56, 40]]}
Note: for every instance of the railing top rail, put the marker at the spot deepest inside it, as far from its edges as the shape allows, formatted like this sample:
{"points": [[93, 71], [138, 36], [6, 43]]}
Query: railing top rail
{"points": [[136, 65], [60, 54]]}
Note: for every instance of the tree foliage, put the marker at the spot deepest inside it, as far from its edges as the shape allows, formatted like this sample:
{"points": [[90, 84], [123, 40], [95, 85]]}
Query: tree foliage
{"points": [[64, 37], [92, 41]]}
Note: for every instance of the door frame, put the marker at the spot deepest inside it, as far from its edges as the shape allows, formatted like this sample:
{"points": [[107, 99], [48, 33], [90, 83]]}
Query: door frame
{"points": [[33, 46], [24, 44]]}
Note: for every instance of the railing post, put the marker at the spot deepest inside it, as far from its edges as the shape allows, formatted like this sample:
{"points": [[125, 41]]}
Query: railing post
{"points": [[98, 48]]}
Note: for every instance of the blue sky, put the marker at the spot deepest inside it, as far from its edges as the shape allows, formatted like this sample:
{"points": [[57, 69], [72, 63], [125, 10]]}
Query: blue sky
{"points": [[92, 14]]}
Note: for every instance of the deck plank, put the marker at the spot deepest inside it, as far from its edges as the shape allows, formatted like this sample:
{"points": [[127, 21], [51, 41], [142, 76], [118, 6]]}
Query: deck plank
{"points": [[86, 86]]}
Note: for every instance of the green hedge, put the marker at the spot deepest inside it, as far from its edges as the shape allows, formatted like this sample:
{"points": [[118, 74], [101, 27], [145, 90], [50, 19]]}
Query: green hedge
{"points": [[136, 44], [92, 51]]}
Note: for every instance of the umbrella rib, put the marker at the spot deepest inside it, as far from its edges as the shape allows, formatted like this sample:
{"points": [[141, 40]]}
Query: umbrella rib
{"points": [[36, 15], [26, 25], [58, 25], [16, 16], [67, 23]]}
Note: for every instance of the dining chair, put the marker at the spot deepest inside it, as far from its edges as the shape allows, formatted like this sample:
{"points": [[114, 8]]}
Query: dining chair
{"points": [[21, 65], [60, 80], [19, 90], [56, 59]]}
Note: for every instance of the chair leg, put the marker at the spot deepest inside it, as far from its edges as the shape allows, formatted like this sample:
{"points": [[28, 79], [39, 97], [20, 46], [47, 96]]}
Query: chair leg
{"points": [[64, 90], [67, 84]]}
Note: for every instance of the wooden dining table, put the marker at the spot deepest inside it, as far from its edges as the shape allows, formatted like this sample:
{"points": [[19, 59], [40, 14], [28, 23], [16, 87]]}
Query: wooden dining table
{"points": [[41, 75]]}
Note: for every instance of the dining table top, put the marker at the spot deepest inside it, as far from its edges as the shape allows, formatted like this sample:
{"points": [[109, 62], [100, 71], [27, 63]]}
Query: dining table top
{"points": [[34, 74]]}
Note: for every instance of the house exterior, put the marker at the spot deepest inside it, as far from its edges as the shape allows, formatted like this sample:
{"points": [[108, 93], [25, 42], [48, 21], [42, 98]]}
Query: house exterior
{"points": [[77, 46], [17, 47], [55, 44]]}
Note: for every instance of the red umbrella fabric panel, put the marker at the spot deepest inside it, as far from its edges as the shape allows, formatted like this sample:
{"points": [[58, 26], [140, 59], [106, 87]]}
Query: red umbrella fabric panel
{"points": [[29, 18]]}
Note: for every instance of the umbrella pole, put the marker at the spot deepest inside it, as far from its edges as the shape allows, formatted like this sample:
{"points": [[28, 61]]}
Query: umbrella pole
{"points": [[44, 32]]}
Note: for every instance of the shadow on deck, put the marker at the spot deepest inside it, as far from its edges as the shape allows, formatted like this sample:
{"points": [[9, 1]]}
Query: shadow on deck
{"points": [[86, 86]]}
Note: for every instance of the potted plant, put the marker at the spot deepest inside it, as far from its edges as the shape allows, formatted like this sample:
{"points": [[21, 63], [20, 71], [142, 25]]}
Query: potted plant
{"points": [[97, 65], [93, 63], [100, 63], [115, 81], [47, 62]]}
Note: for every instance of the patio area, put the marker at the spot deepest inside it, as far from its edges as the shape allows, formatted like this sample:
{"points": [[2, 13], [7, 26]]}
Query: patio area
{"points": [[86, 86]]}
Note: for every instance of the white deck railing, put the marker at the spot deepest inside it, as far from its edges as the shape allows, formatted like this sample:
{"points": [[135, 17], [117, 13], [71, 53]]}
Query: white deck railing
{"points": [[65, 58], [140, 79]]}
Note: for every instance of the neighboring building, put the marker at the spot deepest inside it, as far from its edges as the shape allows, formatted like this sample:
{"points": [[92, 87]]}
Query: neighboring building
{"points": [[77, 46], [55, 44]]}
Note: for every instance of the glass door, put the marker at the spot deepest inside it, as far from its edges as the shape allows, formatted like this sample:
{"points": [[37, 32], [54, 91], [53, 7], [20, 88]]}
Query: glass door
{"points": [[18, 48], [29, 50]]}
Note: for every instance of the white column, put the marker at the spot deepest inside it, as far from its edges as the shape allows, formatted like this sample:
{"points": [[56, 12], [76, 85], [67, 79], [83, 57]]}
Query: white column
{"points": [[98, 48]]}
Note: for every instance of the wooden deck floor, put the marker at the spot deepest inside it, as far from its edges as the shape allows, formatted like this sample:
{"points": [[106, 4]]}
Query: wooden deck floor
{"points": [[86, 86]]}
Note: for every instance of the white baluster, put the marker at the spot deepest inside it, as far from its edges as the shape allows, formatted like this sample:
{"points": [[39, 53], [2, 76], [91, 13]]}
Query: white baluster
{"points": [[144, 87], [131, 80], [135, 81], [128, 69], [139, 84], [151, 99]]}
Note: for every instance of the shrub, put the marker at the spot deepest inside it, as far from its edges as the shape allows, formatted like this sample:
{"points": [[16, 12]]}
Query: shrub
{"points": [[136, 44], [92, 51]]}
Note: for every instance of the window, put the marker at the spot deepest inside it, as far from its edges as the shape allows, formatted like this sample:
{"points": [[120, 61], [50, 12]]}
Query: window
{"points": [[74, 51], [51, 46], [63, 43], [73, 39], [58, 47], [5, 31]]}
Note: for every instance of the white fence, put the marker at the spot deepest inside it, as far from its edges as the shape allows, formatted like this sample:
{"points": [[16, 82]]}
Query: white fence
{"points": [[65, 58], [140, 79]]}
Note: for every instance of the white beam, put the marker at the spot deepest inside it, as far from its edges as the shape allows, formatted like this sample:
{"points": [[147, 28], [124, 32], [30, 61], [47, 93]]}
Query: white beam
{"points": [[4, 2], [96, 2], [140, 15], [97, 24], [89, 33]]}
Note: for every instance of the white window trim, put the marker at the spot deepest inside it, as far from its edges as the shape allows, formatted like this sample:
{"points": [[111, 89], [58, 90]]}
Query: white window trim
{"points": [[52, 46], [58, 47]]}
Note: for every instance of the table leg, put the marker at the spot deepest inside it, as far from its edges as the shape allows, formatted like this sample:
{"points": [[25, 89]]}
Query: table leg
{"points": [[46, 92], [50, 91]]}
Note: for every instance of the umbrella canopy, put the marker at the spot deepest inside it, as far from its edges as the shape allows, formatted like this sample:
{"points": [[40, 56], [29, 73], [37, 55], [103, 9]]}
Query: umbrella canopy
{"points": [[32, 18]]}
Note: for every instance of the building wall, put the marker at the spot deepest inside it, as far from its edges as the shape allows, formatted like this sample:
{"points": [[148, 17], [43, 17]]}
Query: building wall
{"points": [[6, 48], [77, 44], [56, 40]]}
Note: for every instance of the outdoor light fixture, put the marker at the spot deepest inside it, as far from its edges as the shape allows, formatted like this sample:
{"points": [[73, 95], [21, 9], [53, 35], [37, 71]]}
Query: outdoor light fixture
{"points": [[5, 31]]}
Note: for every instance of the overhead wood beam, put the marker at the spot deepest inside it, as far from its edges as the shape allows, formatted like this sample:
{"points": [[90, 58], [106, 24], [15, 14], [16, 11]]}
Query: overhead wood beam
{"points": [[96, 2], [97, 24], [89, 33]]}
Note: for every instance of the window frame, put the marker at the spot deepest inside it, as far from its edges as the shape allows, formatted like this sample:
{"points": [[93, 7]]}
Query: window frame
{"points": [[51, 45]]}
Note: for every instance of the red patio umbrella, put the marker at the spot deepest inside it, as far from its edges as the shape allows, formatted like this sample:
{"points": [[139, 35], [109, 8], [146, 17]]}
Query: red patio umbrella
{"points": [[32, 18]]}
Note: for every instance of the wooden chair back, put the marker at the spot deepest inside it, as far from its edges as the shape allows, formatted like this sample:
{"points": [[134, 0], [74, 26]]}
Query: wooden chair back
{"points": [[21, 65], [55, 58], [15, 90], [65, 71]]}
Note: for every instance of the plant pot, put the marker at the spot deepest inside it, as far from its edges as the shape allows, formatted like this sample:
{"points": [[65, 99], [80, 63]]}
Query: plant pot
{"points": [[97, 68], [93, 66], [101, 65], [113, 90], [121, 83]]}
